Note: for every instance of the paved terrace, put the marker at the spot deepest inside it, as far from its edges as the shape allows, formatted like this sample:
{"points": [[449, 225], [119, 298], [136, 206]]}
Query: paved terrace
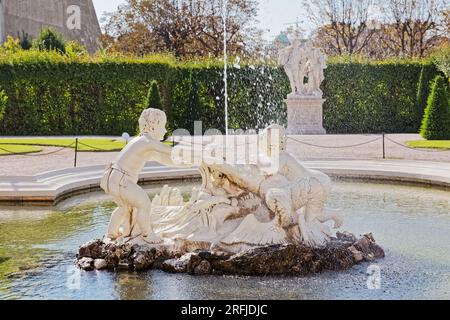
{"points": [[28, 165], [48, 179]]}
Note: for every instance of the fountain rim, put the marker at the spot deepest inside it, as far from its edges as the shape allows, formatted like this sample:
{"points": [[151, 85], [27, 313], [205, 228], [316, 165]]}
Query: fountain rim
{"points": [[51, 188]]}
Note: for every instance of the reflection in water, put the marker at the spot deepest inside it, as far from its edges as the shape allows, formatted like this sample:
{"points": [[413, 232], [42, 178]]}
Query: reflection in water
{"points": [[37, 248], [130, 286]]}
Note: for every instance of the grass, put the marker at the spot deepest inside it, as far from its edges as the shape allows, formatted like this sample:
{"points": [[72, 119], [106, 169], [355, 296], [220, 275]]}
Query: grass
{"points": [[6, 149], [429, 144], [84, 145], [22, 146]]}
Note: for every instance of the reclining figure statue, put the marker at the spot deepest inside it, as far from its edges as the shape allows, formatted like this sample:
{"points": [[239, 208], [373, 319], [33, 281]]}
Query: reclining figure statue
{"points": [[237, 207]]}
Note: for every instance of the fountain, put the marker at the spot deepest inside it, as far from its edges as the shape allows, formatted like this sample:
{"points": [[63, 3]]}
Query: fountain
{"points": [[246, 218], [250, 218]]}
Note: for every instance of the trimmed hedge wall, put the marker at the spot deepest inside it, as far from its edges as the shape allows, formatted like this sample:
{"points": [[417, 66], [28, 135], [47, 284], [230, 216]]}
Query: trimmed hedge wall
{"points": [[50, 94], [376, 97]]}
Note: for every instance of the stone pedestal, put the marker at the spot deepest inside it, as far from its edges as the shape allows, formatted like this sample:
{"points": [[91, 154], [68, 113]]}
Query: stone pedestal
{"points": [[305, 115]]}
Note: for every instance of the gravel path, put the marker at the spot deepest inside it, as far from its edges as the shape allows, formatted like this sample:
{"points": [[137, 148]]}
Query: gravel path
{"points": [[33, 164], [394, 148]]}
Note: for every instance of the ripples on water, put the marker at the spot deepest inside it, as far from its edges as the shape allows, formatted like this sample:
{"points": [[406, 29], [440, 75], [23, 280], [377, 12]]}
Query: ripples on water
{"points": [[37, 249]]}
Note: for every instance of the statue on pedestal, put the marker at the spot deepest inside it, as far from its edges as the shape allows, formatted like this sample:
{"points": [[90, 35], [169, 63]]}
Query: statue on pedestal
{"points": [[304, 67]]}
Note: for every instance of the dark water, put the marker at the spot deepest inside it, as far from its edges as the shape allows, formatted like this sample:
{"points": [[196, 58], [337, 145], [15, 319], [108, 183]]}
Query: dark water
{"points": [[37, 249]]}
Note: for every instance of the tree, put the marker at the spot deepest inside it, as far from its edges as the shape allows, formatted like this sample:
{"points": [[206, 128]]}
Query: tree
{"points": [[415, 26], [423, 91], [442, 59], [74, 49], [49, 40], [380, 29], [153, 99], [436, 122], [3, 102], [12, 45], [26, 42], [342, 25], [187, 28], [193, 104]]}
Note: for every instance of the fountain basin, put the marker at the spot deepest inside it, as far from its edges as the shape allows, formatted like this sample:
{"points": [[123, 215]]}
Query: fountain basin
{"points": [[49, 189], [411, 223]]}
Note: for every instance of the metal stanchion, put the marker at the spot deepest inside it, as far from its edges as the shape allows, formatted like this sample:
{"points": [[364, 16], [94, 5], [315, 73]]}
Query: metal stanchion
{"points": [[76, 153]]}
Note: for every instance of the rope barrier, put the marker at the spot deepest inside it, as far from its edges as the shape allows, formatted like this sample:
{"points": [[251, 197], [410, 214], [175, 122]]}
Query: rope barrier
{"points": [[37, 155], [201, 144], [414, 149], [92, 147], [335, 147]]}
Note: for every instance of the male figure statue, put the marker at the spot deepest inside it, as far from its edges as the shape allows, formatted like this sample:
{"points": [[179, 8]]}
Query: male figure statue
{"points": [[121, 177], [316, 67], [291, 58]]}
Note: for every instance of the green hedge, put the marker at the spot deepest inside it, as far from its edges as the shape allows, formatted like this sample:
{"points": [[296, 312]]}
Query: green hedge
{"points": [[375, 97], [51, 94], [436, 122]]}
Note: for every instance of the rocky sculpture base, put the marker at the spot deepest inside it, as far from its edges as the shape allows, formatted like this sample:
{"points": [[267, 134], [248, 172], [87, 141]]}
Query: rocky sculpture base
{"points": [[341, 253], [305, 115]]}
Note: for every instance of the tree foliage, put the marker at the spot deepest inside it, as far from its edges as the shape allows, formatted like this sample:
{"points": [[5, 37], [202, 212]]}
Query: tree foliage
{"points": [[342, 24], [188, 28], [3, 102], [380, 28], [50, 40], [442, 59], [153, 99], [436, 121]]}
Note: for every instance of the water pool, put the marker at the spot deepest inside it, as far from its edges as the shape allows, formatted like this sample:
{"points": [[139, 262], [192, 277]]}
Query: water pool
{"points": [[412, 224]]}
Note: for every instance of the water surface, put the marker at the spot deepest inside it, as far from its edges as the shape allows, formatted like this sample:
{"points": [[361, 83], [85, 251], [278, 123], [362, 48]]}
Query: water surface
{"points": [[38, 247]]}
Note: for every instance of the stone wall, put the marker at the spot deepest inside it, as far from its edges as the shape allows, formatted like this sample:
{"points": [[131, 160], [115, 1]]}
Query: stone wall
{"points": [[29, 16]]}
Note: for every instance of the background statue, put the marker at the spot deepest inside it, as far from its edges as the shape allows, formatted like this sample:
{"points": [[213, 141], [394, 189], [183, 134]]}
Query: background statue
{"points": [[301, 61], [292, 59], [316, 75]]}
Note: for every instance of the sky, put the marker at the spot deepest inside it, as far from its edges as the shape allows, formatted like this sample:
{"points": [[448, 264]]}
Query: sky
{"points": [[274, 15]]}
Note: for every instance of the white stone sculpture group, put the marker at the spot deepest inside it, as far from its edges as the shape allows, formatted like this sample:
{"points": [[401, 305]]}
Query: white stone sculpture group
{"points": [[237, 206], [304, 66]]}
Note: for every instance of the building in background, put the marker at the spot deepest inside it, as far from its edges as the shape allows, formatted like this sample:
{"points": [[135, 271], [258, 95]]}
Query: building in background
{"points": [[76, 20]]}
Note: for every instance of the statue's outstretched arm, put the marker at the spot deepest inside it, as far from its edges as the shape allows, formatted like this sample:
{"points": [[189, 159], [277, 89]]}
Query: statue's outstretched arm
{"points": [[162, 154]]}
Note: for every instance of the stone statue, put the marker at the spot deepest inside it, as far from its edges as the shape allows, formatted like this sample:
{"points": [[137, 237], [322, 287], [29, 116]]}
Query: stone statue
{"points": [[315, 67], [294, 195], [132, 217], [246, 219], [301, 62], [292, 59], [238, 206]]}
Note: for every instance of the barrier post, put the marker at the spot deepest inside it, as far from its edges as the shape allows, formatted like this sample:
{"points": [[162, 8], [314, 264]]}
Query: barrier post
{"points": [[384, 147], [76, 153]]}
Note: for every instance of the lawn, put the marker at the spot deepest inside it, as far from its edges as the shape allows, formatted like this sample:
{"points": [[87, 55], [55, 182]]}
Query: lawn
{"points": [[6, 149], [430, 144], [84, 145]]}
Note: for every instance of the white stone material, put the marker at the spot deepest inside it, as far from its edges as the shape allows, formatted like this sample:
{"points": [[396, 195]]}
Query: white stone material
{"points": [[238, 206], [120, 180], [304, 66], [305, 115]]}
